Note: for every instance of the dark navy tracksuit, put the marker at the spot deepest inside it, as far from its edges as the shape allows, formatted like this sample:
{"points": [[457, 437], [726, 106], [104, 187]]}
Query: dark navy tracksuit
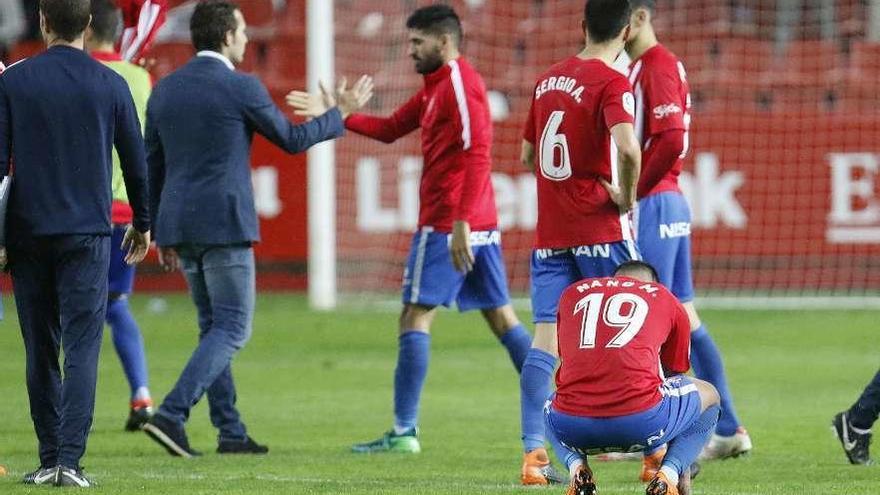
{"points": [[61, 113]]}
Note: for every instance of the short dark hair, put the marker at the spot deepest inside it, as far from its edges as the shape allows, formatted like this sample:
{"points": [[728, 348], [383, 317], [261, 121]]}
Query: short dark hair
{"points": [[651, 5], [210, 22], [606, 18], [633, 266], [67, 19], [106, 21], [436, 20]]}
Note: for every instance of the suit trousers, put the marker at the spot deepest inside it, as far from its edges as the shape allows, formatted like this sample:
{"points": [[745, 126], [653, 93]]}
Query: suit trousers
{"points": [[60, 286]]}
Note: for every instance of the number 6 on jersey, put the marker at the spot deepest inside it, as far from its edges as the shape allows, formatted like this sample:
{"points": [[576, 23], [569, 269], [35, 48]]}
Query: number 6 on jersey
{"points": [[551, 141]]}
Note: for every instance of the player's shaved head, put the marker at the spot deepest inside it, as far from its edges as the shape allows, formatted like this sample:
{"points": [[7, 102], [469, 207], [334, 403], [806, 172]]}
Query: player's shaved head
{"points": [[66, 19], [106, 21], [638, 270], [436, 20], [605, 19]]}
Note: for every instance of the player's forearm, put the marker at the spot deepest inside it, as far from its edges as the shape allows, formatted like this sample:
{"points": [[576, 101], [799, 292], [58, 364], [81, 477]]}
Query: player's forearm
{"points": [[383, 129], [527, 155], [629, 168], [660, 157], [476, 173]]}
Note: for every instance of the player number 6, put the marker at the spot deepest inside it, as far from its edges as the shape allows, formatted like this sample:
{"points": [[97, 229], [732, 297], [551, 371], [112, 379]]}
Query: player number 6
{"points": [[551, 142]]}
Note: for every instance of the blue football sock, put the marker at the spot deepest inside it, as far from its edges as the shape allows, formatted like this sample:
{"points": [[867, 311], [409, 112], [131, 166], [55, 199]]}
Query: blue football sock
{"points": [[129, 344], [707, 364], [518, 341], [684, 449], [563, 453], [534, 390], [412, 367]]}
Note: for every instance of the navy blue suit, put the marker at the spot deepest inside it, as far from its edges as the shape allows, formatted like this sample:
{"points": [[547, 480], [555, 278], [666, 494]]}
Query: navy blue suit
{"points": [[200, 122], [61, 113]]}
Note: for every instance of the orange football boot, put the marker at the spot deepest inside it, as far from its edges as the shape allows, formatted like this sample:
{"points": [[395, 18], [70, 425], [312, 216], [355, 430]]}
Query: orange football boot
{"points": [[651, 465], [661, 485], [537, 470]]}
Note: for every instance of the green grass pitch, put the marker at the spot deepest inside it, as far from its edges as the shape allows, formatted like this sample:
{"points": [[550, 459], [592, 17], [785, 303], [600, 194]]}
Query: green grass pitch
{"points": [[310, 384]]}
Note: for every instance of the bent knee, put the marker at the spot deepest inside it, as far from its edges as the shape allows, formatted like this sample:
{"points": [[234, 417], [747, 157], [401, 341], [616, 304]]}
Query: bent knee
{"points": [[708, 393], [416, 318], [501, 319], [545, 338]]}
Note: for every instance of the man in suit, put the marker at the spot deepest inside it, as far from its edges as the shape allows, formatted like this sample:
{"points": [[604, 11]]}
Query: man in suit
{"points": [[200, 122], [61, 113]]}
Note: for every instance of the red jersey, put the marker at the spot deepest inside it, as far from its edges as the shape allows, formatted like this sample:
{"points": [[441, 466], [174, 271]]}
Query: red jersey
{"points": [[614, 334], [575, 105], [663, 103], [453, 112], [141, 20]]}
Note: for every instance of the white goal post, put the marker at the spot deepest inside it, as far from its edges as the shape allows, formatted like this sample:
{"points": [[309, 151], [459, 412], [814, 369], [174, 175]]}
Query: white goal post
{"points": [[321, 164]]}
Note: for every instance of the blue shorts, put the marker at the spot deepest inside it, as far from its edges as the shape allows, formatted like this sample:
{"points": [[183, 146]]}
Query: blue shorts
{"points": [[121, 276], [663, 225], [643, 431], [552, 270], [431, 280]]}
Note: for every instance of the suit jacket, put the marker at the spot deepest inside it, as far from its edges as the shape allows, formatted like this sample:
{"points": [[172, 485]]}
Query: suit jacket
{"points": [[61, 113], [200, 123]]}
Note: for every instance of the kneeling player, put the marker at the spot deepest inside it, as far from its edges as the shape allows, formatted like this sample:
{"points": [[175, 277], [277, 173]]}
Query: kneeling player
{"points": [[611, 396]]}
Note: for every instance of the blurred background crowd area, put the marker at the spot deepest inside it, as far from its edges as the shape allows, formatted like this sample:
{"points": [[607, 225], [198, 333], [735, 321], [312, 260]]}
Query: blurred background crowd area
{"points": [[767, 52]]}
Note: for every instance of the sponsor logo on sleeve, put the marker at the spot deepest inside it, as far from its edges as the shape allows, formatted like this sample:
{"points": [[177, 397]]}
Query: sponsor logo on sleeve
{"points": [[629, 103], [663, 111]]}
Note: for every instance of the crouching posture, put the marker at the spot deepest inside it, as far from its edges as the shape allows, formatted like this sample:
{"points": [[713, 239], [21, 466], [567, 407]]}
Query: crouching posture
{"points": [[611, 395]]}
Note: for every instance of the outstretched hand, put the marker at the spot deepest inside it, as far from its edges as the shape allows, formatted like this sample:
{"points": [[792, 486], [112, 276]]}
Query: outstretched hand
{"points": [[311, 105], [352, 100]]}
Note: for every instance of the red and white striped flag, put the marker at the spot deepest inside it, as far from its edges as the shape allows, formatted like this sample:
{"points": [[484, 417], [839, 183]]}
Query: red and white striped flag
{"points": [[141, 21]]}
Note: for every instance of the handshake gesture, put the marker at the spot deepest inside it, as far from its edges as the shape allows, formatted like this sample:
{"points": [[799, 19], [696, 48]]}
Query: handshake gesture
{"points": [[347, 99]]}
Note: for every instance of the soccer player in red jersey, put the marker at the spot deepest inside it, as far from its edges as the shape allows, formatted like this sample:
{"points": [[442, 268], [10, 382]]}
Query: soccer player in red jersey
{"points": [[662, 122], [611, 394], [580, 141], [456, 253]]}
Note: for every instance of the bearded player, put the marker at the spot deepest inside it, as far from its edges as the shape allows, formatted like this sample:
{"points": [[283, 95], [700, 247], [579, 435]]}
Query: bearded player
{"points": [[455, 254], [580, 140], [663, 222], [611, 395]]}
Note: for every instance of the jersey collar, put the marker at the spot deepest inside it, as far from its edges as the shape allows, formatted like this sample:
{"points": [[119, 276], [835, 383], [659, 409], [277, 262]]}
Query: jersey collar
{"points": [[107, 56], [441, 74]]}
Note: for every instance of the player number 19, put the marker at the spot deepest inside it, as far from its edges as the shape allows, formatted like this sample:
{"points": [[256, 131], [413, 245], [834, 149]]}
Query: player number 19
{"points": [[624, 311], [554, 144]]}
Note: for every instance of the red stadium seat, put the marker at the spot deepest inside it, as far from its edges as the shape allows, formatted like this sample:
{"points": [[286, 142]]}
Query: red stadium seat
{"points": [[257, 13], [285, 63], [739, 71], [169, 56], [24, 50], [814, 64], [862, 82]]}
